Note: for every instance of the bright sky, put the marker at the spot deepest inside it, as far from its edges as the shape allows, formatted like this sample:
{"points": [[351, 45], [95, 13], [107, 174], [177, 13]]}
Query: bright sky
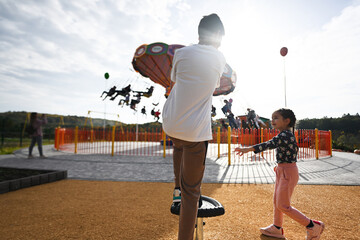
{"points": [[54, 53]]}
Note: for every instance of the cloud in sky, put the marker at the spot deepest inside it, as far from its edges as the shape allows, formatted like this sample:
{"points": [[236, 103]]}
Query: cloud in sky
{"points": [[326, 68], [53, 54]]}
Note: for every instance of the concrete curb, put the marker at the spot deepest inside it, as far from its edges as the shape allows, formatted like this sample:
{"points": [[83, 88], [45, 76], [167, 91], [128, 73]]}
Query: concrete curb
{"points": [[16, 184]]}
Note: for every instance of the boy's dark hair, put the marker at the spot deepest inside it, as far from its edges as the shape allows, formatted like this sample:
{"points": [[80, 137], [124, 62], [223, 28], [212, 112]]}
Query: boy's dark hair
{"points": [[210, 25], [287, 113]]}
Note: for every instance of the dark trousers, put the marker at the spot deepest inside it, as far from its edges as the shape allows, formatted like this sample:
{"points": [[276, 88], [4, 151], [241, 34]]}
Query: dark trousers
{"points": [[38, 140], [189, 166]]}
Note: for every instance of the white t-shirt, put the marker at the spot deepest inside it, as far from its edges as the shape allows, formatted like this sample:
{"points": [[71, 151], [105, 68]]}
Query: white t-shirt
{"points": [[187, 112]]}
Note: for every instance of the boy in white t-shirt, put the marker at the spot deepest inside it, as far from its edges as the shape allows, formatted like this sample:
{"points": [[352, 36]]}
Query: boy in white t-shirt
{"points": [[186, 115]]}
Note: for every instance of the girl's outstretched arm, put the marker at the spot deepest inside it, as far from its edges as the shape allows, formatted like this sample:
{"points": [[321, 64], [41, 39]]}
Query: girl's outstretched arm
{"points": [[241, 150]]}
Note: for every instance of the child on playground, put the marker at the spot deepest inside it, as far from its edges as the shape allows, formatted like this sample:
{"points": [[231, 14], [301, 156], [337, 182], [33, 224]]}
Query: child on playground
{"points": [[287, 176]]}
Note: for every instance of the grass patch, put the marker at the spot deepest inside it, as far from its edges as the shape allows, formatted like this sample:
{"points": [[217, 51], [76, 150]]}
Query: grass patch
{"points": [[12, 144], [7, 150], [15, 173]]}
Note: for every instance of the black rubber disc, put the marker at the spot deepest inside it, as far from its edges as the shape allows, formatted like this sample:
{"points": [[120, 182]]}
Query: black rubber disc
{"points": [[209, 208]]}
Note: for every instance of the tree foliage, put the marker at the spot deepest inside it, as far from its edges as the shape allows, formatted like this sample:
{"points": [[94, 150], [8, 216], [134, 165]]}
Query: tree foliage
{"points": [[347, 123], [345, 130]]}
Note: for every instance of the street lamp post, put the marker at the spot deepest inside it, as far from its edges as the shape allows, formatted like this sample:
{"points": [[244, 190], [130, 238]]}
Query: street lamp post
{"points": [[283, 52], [106, 75]]}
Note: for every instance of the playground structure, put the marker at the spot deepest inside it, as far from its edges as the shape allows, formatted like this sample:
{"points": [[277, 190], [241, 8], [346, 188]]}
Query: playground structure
{"points": [[154, 61], [313, 144], [266, 121], [89, 118], [243, 118]]}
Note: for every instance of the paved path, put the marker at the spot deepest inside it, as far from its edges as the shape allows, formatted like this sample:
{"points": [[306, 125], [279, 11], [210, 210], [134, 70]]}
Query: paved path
{"points": [[341, 169]]}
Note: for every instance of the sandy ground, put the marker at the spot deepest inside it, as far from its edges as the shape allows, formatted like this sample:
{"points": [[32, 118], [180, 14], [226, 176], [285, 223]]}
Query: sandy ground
{"points": [[77, 209]]}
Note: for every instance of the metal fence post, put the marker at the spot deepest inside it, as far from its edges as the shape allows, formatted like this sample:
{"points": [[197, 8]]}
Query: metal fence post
{"points": [[164, 141], [112, 140], [21, 135], [316, 143], [56, 144], [91, 135], [2, 131], [262, 139], [218, 141], [330, 143], [76, 138], [229, 145]]}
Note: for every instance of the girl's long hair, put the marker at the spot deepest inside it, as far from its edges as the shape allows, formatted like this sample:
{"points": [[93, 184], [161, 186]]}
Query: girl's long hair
{"points": [[288, 113]]}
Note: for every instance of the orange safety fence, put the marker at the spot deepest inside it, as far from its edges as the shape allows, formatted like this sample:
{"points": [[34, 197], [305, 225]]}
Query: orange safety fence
{"points": [[116, 141], [324, 143], [126, 142]]}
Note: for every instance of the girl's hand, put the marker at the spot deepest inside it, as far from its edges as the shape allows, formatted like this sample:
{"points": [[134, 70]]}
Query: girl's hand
{"points": [[240, 151]]}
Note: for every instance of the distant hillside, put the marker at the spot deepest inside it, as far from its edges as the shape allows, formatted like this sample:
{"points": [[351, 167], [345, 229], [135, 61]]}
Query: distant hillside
{"points": [[347, 123], [346, 130], [16, 118], [13, 122]]}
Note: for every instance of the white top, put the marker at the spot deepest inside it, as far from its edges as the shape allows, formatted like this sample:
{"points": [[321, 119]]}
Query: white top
{"points": [[187, 111]]}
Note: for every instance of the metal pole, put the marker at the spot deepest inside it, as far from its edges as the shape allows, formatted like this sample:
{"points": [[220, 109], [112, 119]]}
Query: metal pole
{"points": [[21, 125], [262, 139], [199, 230], [218, 141], [2, 131], [229, 145], [112, 140], [164, 145], [105, 111], [58, 139], [316, 143], [330, 142], [285, 83], [76, 138], [137, 126]]}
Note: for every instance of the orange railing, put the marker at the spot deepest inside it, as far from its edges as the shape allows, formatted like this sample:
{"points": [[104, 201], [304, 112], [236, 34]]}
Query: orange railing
{"points": [[121, 142], [115, 141], [324, 143]]}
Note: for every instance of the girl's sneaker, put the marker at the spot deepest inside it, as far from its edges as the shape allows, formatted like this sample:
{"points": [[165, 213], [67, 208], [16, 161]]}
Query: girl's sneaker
{"points": [[176, 196], [272, 231], [315, 232]]}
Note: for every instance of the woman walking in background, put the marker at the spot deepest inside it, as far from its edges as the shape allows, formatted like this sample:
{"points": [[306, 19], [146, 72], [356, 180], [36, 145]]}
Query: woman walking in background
{"points": [[37, 135]]}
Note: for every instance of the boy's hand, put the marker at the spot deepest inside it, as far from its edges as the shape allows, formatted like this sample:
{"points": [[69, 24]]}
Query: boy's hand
{"points": [[240, 151]]}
